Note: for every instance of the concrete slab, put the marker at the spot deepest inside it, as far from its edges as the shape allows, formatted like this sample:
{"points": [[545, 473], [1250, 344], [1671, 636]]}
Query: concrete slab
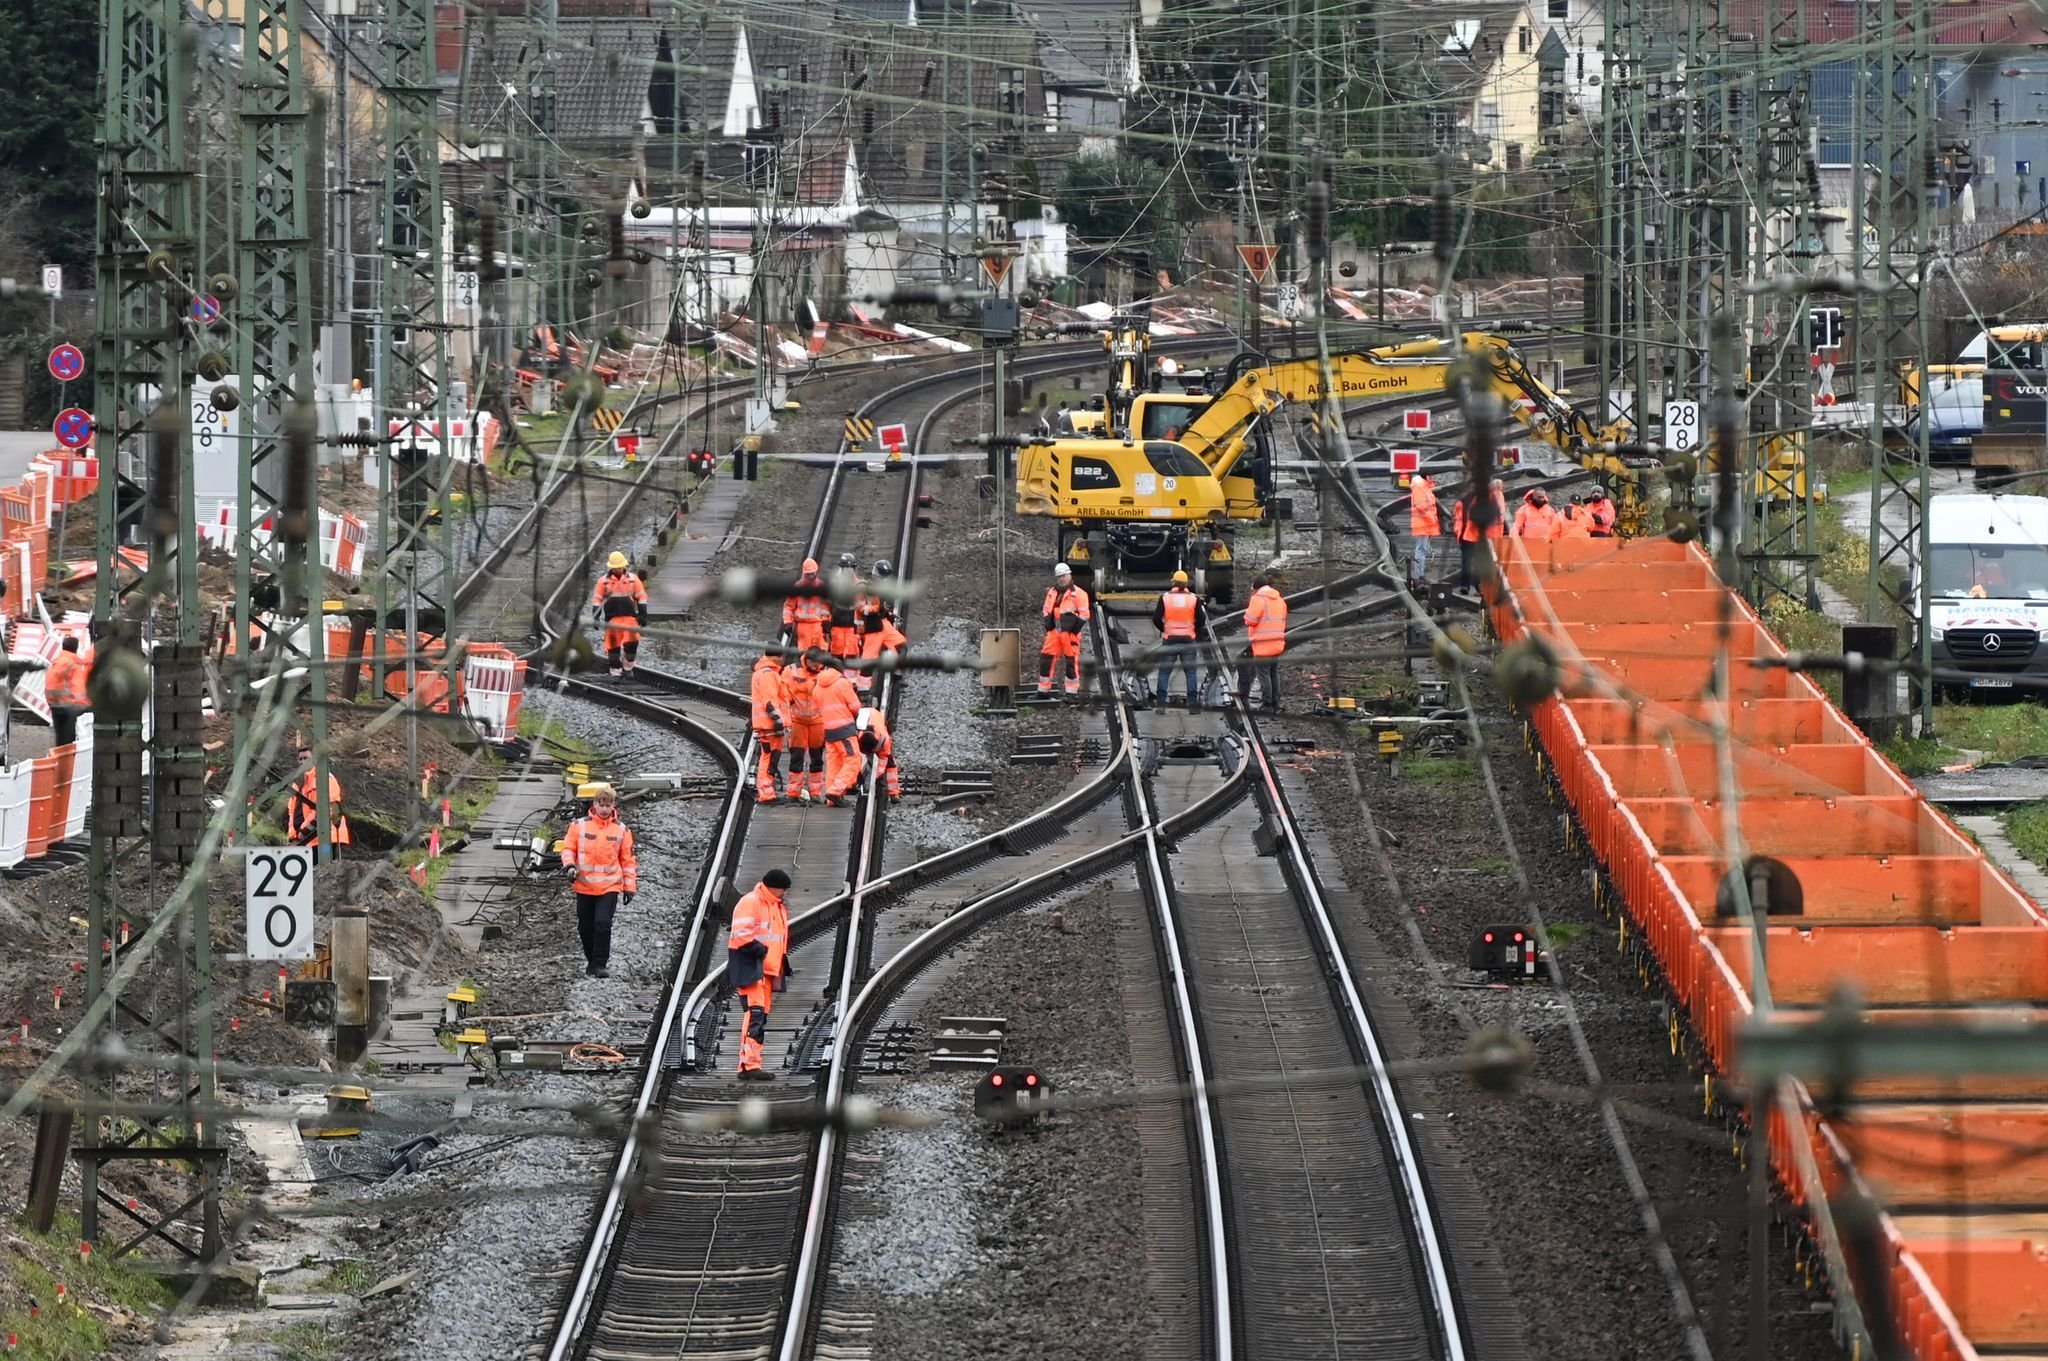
{"points": [[1990, 834], [19, 447], [1986, 785], [704, 532]]}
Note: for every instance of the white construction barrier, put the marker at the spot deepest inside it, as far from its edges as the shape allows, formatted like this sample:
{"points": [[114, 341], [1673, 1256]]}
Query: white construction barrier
{"points": [[491, 687], [14, 795], [81, 785]]}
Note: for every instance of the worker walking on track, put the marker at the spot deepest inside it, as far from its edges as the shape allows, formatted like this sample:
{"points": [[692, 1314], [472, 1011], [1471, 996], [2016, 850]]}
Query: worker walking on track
{"points": [[1066, 617], [597, 854], [302, 809], [806, 612], [64, 689], [1181, 620], [770, 722], [800, 686], [1425, 522], [843, 638], [620, 601], [1536, 518], [1265, 631], [876, 741], [839, 706], [757, 963], [1473, 520], [880, 635]]}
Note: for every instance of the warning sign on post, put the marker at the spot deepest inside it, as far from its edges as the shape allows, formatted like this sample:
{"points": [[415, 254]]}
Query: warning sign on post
{"points": [[1407, 462], [1258, 260], [278, 892], [1416, 421]]}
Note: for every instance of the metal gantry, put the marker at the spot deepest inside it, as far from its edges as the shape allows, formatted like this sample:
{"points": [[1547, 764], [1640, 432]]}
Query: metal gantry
{"points": [[148, 815]]}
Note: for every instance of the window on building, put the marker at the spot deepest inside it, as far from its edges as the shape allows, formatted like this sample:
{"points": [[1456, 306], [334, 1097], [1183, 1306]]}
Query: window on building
{"points": [[913, 157], [1558, 11], [1489, 120], [1522, 38]]}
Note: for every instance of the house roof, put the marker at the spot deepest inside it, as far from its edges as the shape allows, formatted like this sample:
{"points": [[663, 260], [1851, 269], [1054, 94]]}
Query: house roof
{"points": [[1999, 23], [601, 69]]}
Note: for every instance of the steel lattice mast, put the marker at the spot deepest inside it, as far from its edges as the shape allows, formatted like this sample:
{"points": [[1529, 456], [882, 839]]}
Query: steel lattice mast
{"points": [[145, 270]]}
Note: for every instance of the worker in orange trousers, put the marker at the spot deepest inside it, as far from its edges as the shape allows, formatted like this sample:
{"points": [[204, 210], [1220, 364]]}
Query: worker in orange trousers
{"points": [[800, 687], [757, 962], [1066, 618], [620, 600], [839, 707], [806, 612], [770, 722]]}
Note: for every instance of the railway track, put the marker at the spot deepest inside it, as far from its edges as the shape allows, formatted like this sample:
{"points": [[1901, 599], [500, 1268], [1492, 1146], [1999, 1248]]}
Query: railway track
{"points": [[713, 1245]]}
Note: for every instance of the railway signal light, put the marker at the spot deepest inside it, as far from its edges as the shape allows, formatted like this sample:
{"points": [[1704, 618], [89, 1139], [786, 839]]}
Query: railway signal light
{"points": [[1010, 1094], [1506, 952]]}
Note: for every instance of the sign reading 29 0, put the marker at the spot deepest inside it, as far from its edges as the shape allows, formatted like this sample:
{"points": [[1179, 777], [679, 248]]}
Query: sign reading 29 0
{"points": [[278, 891]]}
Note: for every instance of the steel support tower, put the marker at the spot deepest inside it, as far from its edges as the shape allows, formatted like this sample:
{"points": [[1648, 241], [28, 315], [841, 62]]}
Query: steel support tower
{"points": [[1894, 155], [148, 816], [415, 484], [278, 579]]}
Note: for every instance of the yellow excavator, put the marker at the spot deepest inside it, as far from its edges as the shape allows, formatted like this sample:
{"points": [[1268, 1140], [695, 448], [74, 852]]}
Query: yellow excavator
{"points": [[1161, 485]]}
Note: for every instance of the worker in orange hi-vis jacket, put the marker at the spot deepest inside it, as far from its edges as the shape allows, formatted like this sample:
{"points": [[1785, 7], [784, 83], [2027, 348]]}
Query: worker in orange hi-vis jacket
{"points": [[839, 706], [757, 963], [1066, 618], [620, 601], [800, 687], [769, 720], [806, 612]]}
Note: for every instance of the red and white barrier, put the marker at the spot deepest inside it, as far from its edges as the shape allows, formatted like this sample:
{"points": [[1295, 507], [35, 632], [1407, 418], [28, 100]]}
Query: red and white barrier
{"points": [[492, 687]]}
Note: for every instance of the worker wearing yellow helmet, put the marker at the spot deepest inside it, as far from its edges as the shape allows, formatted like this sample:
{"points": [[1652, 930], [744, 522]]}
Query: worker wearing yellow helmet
{"points": [[620, 602], [1179, 617]]}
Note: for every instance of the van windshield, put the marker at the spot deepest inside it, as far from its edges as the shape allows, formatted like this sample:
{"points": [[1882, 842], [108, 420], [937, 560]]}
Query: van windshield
{"points": [[1985, 572]]}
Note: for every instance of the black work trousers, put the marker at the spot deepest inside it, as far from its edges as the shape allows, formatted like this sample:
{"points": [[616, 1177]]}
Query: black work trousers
{"points": [[1267, 670], [594, 926], [64, 723]]}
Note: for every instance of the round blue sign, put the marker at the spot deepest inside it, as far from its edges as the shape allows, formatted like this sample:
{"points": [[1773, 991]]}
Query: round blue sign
{"points": [[73, 428], [67, 362], [206, 309]]}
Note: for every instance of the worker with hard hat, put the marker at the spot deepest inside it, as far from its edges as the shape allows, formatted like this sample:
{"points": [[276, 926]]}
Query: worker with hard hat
{"points": [[597, 854], [842, 637], [620, 601], [800, 687], [1265, 631], [1425, 522], [302, 809], [1066, 618], [1181, 620], [1601, 512], [839, 706], [770, 722], [1536, 518], [806, 611], [877, 744], [880, 634], [757, 963]]}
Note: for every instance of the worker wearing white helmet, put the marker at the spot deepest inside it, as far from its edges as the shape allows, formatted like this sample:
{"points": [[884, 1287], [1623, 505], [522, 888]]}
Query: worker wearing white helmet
{"points": [[620, 601], [1066, 618]]}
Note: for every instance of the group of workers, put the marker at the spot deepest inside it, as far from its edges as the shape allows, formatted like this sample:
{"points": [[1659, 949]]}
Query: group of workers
{"points": [[1181, 619], [1587, 515], [812, 710], [848, 619]]}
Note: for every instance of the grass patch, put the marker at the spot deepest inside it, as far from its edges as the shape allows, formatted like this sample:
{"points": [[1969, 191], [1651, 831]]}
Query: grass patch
{"points": [[1440, 769], [536, 728], [1564, 933], [67, 1331], [1996, 732], [1493, 865], [436, 867], [2027, 826], [351, 1277]]}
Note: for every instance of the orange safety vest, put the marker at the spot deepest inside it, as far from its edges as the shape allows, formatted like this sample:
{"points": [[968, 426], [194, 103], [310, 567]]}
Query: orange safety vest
{"points": [[64, 681], [1265, 622], [768, 694], [302, 815], [1536, 522], [879, 726], [760, 918], [1061, 600], [1178, 608], [1602, 512], [1425, 520], [802, 689], [623, 586], [600, 850], [838, 702], [1467, 528], [806, 607], [1579, 526]]}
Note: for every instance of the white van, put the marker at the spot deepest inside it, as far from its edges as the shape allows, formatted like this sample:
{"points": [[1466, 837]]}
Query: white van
{"points": [[1987, 603]]}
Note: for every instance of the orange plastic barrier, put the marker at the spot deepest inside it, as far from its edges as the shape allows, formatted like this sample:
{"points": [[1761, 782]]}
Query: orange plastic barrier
{"points": [[63, 774], [1895, 901], [42, 797]]}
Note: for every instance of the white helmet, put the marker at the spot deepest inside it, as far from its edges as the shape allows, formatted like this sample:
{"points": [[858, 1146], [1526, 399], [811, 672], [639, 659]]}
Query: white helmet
{"points": [[1062, 570]]}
